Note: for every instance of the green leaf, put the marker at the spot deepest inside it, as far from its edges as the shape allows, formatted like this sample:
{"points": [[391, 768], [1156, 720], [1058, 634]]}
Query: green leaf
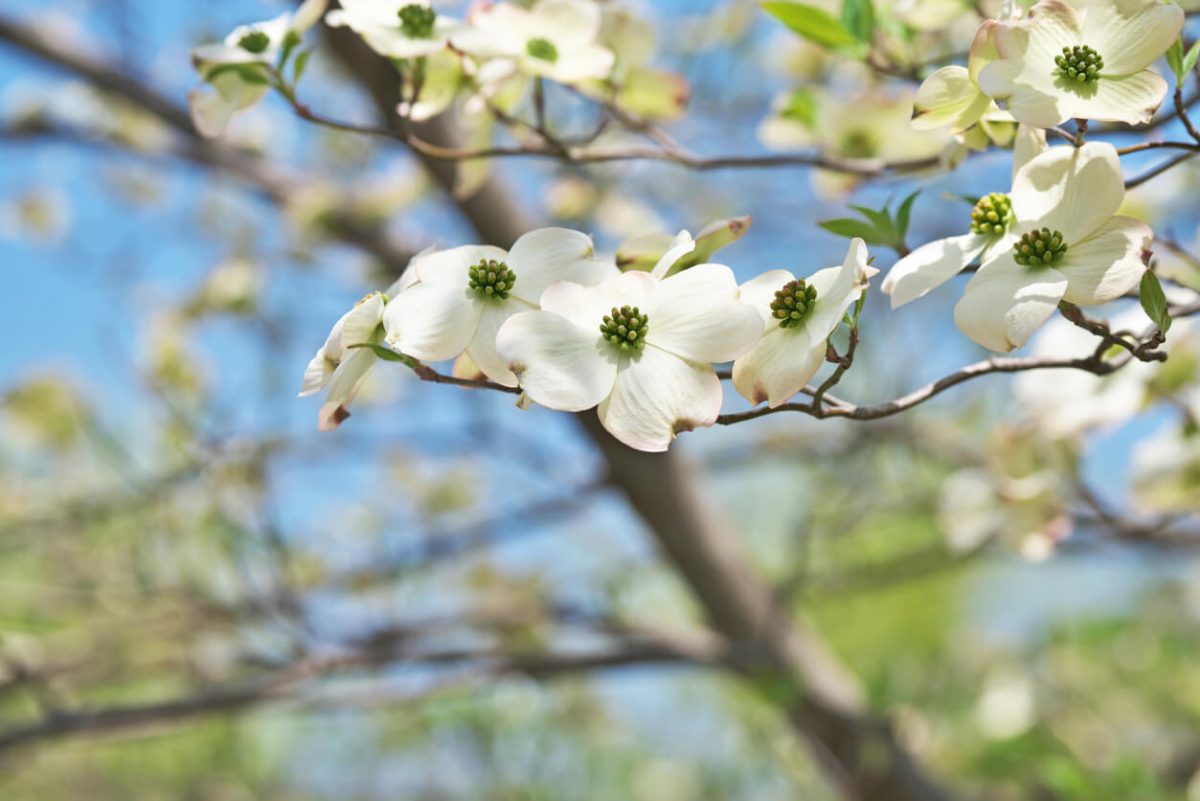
{"points": [[1154, 301], [850, 228], [813, 23], [387, 354], [1189, 61], [1175, 59], [880, 219], [904, 214], [300, 65], [859, 18], [802, 108]]}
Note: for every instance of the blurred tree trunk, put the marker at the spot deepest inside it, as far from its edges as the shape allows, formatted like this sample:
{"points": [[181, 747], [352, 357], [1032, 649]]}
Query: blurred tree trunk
{"points": [[858, 753]]}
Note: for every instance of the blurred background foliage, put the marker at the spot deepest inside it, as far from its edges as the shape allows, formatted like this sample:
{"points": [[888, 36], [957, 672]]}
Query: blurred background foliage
{"points": [[384, 612]]}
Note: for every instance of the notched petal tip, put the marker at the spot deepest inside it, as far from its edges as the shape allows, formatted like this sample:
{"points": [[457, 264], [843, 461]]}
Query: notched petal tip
{"points": [[331, 416]]}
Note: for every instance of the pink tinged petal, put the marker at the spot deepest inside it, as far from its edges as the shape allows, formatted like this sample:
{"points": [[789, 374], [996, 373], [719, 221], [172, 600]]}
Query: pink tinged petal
{"points": [[697, 315], [983, 49], [346, 381], [541, 257], [432, 322], [1004, 303], [1107, 264], [560, 365], [1070, 190], [949, 97], [930, 266], [760, 290], [449, 267], [1131, 99], [779, 366], [482, 348], [657, 396], [586, 306], [1130, 35]]}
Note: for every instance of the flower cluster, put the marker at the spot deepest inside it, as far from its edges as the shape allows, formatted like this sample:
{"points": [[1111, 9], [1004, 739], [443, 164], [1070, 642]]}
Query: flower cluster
{"points": [[557, 40], [1062, 59], [575, 332]]}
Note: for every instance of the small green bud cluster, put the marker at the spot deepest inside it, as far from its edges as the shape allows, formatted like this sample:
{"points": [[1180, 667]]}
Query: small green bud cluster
{"points": [[416, 21], [991, 214], [1039, 248], [543, 49], [1080, 63], [793, 302], [255, 42], [626, 328], [492, 279]]}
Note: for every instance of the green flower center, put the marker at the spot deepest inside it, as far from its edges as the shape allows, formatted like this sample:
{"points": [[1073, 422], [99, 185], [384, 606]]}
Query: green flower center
{"points": [[416, 21], [543, 49], [492, 279], [793, 302], [625, 328], [255, 42], [858, 145], [1039, 248], [991, 215], [1080, 64]]}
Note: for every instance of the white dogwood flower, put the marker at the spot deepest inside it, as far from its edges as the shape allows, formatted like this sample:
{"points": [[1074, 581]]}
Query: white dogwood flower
{"points": [[990, 232], [555, 39], [951, 95], [797, 316], [1068, 246], [1059, 62], [463, 295], [237, 68], [341, 363], [639, 348], [396, 28]]}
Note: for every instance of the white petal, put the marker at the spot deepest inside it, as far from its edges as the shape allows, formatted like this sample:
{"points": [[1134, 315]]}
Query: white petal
{"points": [[541, 257], [585, 63], [360, 323], [482, 348], [432, 322], [586, 306], [1028, 143], [210, 112], [837, 289], [449, 267], [560, 365], [1068, 189], [1028, 104], [1107, 264], [1131, 99], [930, 266], [697, 315], [779, 366], [760, 290], [657, 396], [316, 374], [569, 24], [1004, 303], [346, 381], [949, 97], [308, 14], [680, 246], [1130, 35]]}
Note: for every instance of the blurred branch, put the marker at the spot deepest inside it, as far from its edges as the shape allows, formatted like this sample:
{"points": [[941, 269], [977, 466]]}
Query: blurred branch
{"points": [[267, 179]]}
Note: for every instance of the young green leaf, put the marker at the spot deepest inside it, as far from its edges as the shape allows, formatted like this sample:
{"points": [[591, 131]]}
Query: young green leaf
{"points": [[387, 354], [1154, 301], [300, 65], [1175, 59], [858, 16], [1189, 61], [813, 23], [904, 214], [850, 228]]}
